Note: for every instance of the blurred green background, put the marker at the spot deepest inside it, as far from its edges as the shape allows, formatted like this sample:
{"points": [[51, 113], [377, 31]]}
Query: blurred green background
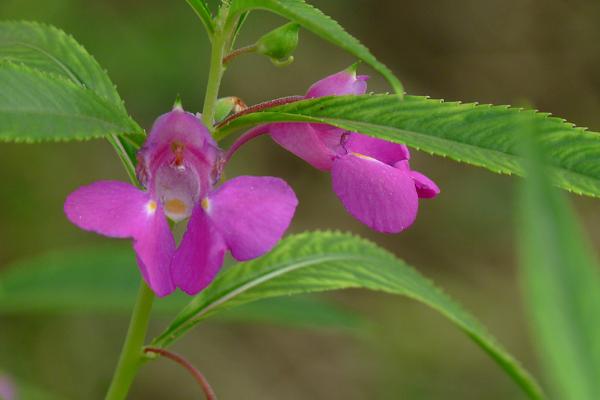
{"points": [[540, 52]]}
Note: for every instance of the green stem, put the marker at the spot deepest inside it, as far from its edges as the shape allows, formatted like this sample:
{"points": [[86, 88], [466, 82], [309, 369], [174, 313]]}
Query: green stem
{"points": [[238, 52], [215, 73], [132, 355], [115, 141]]}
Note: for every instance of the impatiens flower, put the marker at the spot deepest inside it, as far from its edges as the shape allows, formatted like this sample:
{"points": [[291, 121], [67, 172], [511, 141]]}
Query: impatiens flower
{"points": [[372, 177], [7, 388], [179, 166]]}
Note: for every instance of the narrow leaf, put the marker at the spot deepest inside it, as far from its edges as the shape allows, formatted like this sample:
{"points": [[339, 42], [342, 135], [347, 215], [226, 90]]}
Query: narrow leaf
{"points": [[320, 261], [561, 283], [482, 135], [35, 107], [105, 280], [322, 25], [101, 279], [304, 312]]}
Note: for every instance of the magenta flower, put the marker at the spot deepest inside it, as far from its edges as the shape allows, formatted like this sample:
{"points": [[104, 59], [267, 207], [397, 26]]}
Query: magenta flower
{"points": [[178, 166], [7, 388], [372, 177]]}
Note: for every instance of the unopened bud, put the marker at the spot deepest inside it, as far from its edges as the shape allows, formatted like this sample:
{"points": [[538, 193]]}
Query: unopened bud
{"points": [[228, 105], [280, 44]]}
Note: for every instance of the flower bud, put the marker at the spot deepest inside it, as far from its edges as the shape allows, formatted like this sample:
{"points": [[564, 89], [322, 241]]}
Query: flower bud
{"points": [[228, 105], [279, 44]]}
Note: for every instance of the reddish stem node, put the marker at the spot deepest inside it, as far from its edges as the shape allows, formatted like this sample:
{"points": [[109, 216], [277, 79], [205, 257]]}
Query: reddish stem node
{"points": [[259, 107], [200, 378]]}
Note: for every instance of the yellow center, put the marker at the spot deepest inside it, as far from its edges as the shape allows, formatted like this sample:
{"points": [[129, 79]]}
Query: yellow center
{"points": [[175, 206], [362, 156], [205, 204], [151, 206]]}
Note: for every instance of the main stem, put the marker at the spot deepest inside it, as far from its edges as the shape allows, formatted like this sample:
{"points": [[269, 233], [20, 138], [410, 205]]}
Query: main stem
{"points": [[132, 353], [217, 67], [132, 356]]}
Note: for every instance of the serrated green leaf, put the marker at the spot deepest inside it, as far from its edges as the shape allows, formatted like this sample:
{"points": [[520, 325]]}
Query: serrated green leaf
{"points": [[105, 280], [297, 312], [320, 261], [561, 283], [481, 135], [36, 106], [101, 279], [49, 49], [322, 25]]}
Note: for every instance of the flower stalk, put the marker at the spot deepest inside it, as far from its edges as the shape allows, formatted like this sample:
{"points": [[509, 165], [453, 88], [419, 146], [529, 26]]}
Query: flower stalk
{"points": [[238, 52], [131, 355], [217, 68]]}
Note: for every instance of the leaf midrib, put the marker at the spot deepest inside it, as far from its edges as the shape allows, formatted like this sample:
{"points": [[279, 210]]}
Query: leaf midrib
{"points": [[67, 70], [278, 270], [442, 142], [512, 157], [59, 114]]}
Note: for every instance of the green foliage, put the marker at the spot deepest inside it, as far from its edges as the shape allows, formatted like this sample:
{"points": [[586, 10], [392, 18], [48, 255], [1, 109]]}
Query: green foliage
{"points": [[315, 21], [561, 283], [105, 281], [296, 312], [29, 391], [49, 49], [36, 106], [59, 58], [481, 135], [203, 12], [87, 280], [322, 261]]}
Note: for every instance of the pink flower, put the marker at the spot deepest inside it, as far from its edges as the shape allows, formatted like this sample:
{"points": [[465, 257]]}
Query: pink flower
{"points": [[7, 388], [371, 177], [179, 166]]}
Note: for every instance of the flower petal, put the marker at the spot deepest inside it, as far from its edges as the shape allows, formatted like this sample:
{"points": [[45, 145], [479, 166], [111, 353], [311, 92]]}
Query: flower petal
{"points": [[304, 141], [426, 188], [177, 138], [252, 213], [382, 150], [200, 254], [378, 195], [342, 83], [178, 125], [110, 208], [118, 209], [155, 247]]}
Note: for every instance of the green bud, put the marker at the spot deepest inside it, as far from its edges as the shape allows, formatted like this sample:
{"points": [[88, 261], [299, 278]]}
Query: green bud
{"points": [[228, 105], [279, 44]]}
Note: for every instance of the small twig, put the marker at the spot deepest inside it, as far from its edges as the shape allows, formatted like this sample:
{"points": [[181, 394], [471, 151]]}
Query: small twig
{"points": [[259, 107], [237, 52], [208, 391]]}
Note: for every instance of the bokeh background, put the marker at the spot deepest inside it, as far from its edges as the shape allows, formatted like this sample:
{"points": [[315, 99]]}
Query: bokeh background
{"points": [[539, 52]]}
